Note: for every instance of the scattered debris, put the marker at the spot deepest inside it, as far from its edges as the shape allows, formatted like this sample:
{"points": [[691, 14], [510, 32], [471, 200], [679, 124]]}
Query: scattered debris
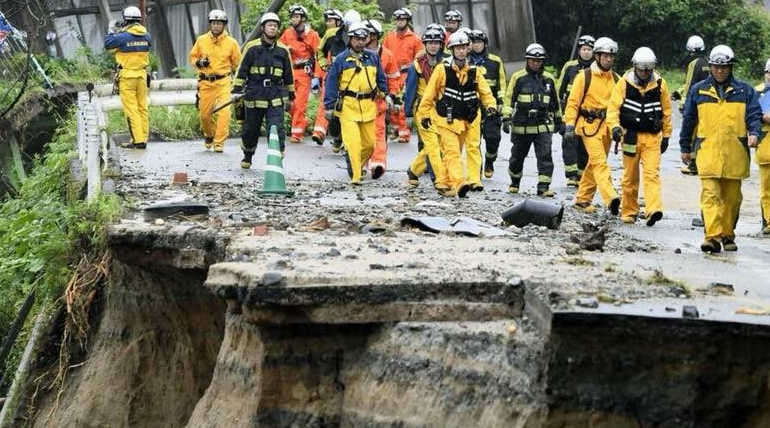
{"points": [[319, 224], [697, 222], [272, 278], [159, 222], [592, 238], [722, 288], [535, 212], [752, 311], [260, 230], [461, 225], [678, 251], [374, 228], [512, 327], [588, 302], [180, 178], [167, 209], [690, 311], [579, 261]]}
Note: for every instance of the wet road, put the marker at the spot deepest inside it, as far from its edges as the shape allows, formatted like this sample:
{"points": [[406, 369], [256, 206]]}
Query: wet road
{"points": [[677, 241]]}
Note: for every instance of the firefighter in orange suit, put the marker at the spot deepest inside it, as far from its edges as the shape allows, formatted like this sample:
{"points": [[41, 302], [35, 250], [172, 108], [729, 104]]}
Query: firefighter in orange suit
{"points": [[378, 162], [302, 42], [405, 45], [585, 115], [451, 103], [641, 106], [333, 19], [216, 56]]}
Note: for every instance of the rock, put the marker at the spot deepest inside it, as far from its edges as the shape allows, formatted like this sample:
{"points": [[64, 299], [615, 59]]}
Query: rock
{"points": [[571, 249], [697, 222], [319, 224], [159, 222], [376, 266], [588, 302], [722, 288], [333, 252], [678, 251], [260, 230], [670, 309], [272, 278], [690, 311], [279, 265]]}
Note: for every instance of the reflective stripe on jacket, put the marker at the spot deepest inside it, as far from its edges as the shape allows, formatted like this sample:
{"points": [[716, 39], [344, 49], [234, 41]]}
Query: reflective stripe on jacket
{"points": [[720, 117]]}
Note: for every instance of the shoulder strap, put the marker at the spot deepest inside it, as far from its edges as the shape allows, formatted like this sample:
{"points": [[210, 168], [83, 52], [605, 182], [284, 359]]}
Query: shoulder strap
{"points": [[587, 76]]}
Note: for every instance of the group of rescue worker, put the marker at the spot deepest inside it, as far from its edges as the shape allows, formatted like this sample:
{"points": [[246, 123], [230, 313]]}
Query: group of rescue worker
{"points": [[449, 86]]}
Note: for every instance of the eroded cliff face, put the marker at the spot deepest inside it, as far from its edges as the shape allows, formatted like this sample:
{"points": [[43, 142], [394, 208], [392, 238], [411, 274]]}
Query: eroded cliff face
{"points": [[190, 341], [396, 374]]}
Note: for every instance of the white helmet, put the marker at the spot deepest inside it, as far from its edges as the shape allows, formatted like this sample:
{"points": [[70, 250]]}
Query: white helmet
{"points": [[695, 44], [217, 15], [458, 38], [297, 9], [605, 45], [358, 29], [586, 40], [767, 66], [721, 55], [132, 13], [466, 30], [351, 17], [644, 58], [374, 27], [453, 15], [535, 51], [269, 16]]}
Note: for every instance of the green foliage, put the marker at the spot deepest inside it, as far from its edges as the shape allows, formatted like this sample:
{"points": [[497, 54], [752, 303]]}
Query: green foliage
{"points": [[42, 234], [85, 66], [255, 8], [663, 25]]}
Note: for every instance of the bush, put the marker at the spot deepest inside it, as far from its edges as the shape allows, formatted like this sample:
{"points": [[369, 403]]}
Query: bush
{"points": [[42, 234], [663, 25]]}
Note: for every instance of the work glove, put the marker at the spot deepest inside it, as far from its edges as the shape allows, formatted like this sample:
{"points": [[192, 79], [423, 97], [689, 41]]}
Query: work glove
{"points": [[202, 63], [409, 122], [315, 84], [676, 96], [425, 123], [491, 111], [236, 90], [664, 145], [562, 129], [328, 114], [617, 134], [569, 132], [507, 125], [499, 106]]}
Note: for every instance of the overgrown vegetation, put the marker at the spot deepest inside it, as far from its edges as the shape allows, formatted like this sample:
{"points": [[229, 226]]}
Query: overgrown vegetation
{"points": [[663, 25], [43, 233]]}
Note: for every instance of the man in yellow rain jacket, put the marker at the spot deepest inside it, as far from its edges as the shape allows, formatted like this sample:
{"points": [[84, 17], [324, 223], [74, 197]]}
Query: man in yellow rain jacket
{"points": [[451, 103], [585, 115], [216, 56], [641, 106], [353, 81], [722, 119], [417, 79], [131, 45], [763, 156]]}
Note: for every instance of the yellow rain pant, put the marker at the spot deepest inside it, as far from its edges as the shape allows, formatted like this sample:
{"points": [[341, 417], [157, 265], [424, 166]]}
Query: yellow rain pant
{"points": [[133, 95], [217, 126], [720, 202], [358, 138], [451, 145], [764, 191], [648, 153], [597, 172], [473, 156], [431, 150]]}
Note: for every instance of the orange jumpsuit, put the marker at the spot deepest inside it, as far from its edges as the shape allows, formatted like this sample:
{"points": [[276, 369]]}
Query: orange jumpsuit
{"points": [[388, 62], [302, 48], [405, 47]]}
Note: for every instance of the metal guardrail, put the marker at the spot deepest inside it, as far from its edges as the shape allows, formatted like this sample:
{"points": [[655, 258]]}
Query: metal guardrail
{"points": [[92, 138]]}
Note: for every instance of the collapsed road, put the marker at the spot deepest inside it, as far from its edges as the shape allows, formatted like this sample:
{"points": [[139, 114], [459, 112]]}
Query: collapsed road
{"points": [[324, 310]]}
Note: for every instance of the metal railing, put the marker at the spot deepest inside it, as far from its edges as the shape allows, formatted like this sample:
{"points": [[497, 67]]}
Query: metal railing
{"points": [[92, 138]]}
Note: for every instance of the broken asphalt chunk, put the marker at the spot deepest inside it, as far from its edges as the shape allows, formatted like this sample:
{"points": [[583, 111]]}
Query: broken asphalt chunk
{"points": [[689, 311], [162, 210]]}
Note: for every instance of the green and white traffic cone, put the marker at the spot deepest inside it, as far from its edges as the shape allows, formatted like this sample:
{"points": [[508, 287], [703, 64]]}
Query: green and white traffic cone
{"points": [[274, 182]]}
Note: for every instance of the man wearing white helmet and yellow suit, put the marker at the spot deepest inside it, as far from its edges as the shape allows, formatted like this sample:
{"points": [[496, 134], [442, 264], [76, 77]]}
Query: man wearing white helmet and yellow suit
{"points": [[216, 56], [640, 113], [762, 156], [585, 115], [722, 119], [451, 101]]}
